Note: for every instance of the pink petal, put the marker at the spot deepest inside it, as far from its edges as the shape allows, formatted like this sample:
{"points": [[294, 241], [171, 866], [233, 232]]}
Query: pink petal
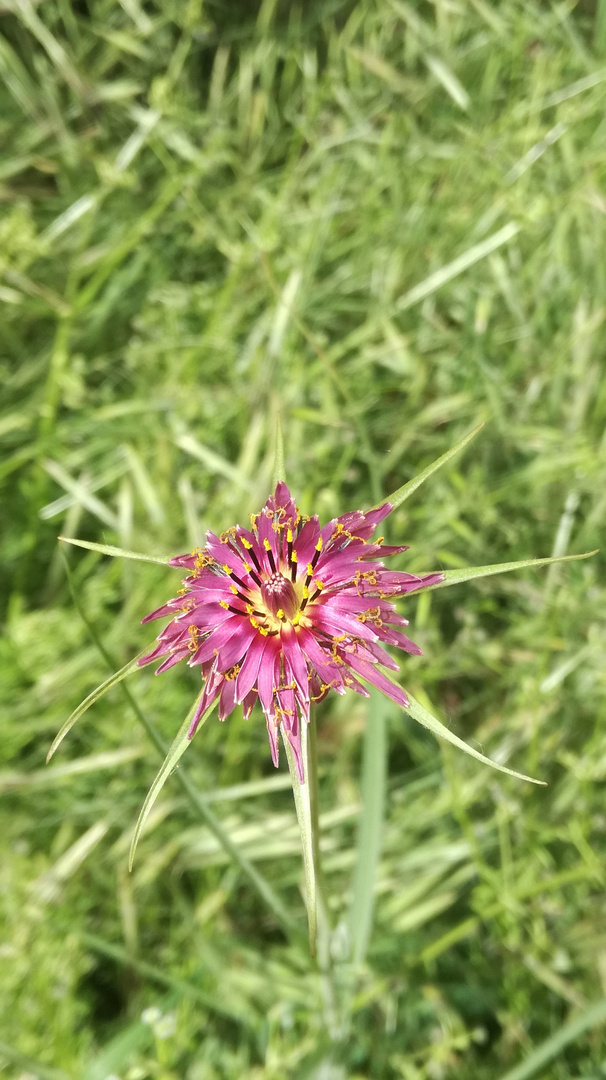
{"points": [[250, 668], [249, 703], [321, 660], [224, 554], [187, 560], [166, 609], [377, 679], [208, 616], [295, 660], [305, 544], [265, 678], [371, 650], [227, 700], [234, 649], [157, 651], [387, 550], [217, 639], [338, 623], [211, 689], [266, 532], [172, 660], [394, 637], [282, 500], [272, 732]]}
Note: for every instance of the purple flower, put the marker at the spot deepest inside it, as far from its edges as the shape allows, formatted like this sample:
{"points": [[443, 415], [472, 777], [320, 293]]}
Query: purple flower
{"points": [[286, 611]]}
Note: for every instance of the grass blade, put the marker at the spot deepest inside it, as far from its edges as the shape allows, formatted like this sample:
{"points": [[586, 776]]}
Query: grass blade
{"points": [[422, 716], [599, 28], [81, 494], [156, 974], [31, 1067], [177, 749], [463, 262], [115, 552], [402, 493], [212, 461], [468, 573], [303, 796], [92, 697], [279, 473], [547, 1051], [374, 755], [237, 856]]}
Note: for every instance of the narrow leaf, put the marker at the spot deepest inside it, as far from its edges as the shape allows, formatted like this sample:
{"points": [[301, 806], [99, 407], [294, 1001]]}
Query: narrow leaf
{"points": [[591, 1017], [371, 823], [94, 696], [176, 751], [220, 1004], [303, 806], [462, 262], [467, 573], [116, 552], [279, 467], [212, 461], [81, 494], [425, 718], [402, 493], [28, 1066]]}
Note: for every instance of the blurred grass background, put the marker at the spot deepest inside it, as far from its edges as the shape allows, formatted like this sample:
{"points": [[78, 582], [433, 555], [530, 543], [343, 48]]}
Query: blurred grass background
{"points": [[387, 218]]}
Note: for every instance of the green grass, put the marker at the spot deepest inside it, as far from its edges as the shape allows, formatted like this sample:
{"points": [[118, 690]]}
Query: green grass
{"points": [[388, 220]]}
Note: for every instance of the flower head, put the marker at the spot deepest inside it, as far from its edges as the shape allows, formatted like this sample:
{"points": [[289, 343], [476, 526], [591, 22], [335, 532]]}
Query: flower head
{"points": [[285, 611]]}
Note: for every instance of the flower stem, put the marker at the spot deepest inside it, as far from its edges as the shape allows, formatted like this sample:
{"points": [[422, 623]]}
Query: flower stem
{"points": [[329, 988], [312, 780]]}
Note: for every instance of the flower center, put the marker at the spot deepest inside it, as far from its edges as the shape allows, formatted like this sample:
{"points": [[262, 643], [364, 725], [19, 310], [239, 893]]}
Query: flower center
{"points": [[279, 596]]}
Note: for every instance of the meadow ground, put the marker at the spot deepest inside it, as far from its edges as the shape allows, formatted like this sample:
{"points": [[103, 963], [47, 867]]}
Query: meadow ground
{"points": [[388, 219]]}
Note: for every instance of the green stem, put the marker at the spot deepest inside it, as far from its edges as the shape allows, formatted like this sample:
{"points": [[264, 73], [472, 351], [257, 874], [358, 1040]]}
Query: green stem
{"points": [[325, 961], [302, 796], [312, 779]]}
